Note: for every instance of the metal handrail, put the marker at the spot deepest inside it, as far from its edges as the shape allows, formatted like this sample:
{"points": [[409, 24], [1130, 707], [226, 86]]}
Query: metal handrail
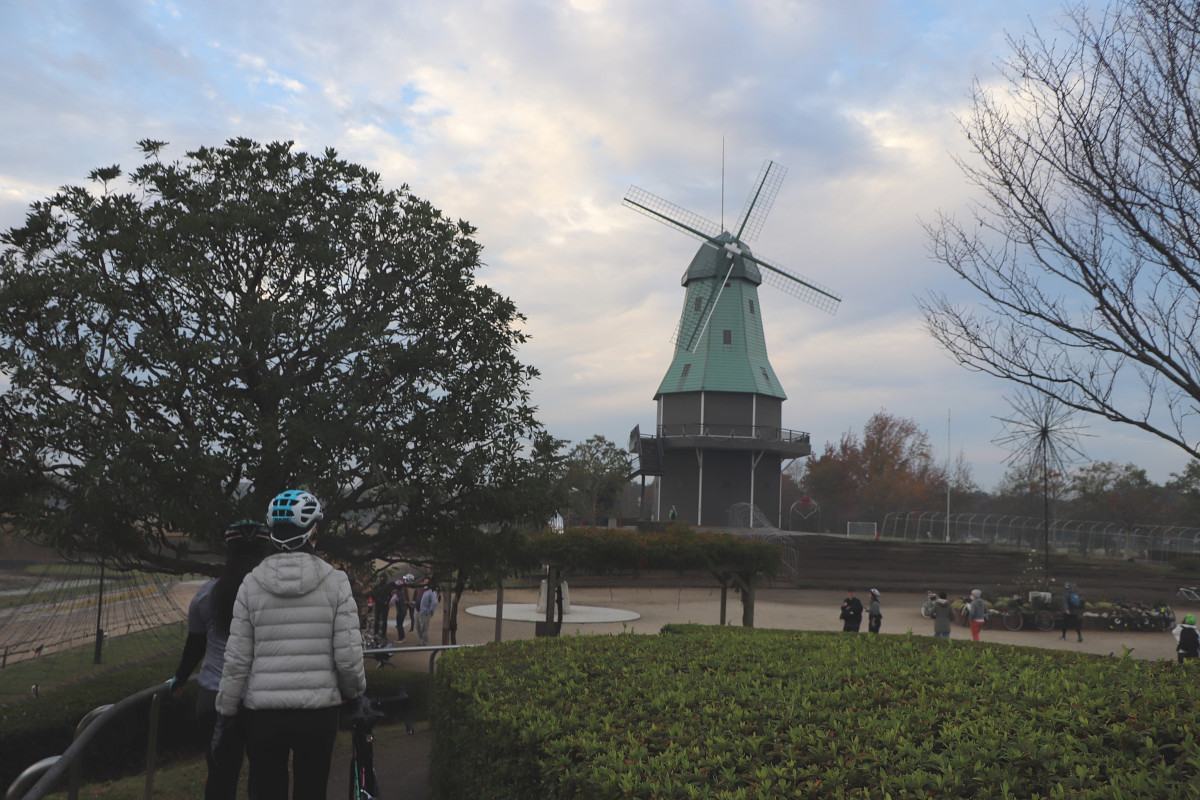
{"points": [[434, 651], [47, 772], [769, 433]]}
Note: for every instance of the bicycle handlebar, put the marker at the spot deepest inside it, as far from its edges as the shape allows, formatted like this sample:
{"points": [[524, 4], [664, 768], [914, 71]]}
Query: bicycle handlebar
{"points": [[372, 711]]}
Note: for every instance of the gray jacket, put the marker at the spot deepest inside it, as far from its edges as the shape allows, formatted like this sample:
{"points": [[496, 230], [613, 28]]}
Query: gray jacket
{"points": [[979, 610], [294, 641]]}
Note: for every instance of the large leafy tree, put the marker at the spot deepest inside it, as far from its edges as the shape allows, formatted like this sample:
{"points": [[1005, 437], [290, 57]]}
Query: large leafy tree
{"points": [[248, 319], [595, 474], [1118, 493], [1184, 487], [1082, 255]]}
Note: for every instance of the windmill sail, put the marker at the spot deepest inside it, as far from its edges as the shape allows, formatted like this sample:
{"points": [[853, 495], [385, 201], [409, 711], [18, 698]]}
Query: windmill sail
{"points": [[759, 203], [750, 221], [809, 291], [698, 311], [670, 214]]}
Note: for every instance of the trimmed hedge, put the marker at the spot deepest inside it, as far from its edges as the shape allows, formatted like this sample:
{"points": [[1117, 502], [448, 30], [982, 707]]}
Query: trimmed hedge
{"points": [[699, 712]]}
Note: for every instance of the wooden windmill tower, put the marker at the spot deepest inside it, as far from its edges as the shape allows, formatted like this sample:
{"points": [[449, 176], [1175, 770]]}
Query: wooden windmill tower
{"points": [[719, 439]]}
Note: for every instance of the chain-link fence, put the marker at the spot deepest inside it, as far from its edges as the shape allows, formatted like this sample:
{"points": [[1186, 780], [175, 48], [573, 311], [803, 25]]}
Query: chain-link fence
{"points": [[1153, 543]]}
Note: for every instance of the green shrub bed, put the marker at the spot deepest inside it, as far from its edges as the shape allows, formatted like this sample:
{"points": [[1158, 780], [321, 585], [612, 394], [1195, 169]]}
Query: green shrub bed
{"points": [[702, 712]]}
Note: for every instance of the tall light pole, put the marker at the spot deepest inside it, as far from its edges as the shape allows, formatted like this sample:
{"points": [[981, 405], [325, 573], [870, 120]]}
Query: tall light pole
{"points": [[947, 475]]}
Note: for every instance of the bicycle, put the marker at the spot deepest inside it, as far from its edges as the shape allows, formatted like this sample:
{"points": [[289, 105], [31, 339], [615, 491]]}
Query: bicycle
{"points": [[363, 783], [1159, 616], [964, 612], [927, 607], [1015, 616], [371, 641], [1189, 594]]}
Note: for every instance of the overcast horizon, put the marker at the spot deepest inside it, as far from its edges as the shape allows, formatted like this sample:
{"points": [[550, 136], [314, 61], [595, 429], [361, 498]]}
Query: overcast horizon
{"points": [[531, 120]]}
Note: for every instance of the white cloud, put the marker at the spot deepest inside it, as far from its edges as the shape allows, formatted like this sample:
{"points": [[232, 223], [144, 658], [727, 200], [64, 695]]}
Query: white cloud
{"points": [[531, 120]]}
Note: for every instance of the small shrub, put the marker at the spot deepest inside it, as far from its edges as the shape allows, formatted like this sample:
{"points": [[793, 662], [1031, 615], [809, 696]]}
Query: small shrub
{"points": [[1188, 565]]}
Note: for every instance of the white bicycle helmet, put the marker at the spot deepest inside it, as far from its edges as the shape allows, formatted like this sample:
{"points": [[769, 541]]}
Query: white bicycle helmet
{"points": [[292, 517]]}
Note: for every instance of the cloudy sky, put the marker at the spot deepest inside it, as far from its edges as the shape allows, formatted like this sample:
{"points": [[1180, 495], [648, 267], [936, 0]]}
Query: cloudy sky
{"points": [[532, 119]]}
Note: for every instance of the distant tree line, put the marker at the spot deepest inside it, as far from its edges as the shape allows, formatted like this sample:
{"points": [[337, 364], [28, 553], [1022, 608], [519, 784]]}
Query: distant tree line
{"points": [[891, 467]]}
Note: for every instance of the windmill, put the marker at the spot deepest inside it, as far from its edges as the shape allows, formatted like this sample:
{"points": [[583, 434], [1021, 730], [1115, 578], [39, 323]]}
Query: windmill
{"points": [[719, 439]]}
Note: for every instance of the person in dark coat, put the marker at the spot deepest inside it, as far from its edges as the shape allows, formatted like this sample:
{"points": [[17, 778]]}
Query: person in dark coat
{"points": [[382, 595], [1072, 611], [852, 611], [209, 617]]}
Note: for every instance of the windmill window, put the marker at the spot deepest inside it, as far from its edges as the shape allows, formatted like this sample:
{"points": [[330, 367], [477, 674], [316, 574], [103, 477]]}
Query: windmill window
{"points": [[727, 337], [751, 302], [686, 369], [698, 304], [766, 377]]}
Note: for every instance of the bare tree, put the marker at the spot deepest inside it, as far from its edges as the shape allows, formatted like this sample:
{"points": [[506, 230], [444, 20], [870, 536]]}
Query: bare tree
{"points": [[1085, 244]]}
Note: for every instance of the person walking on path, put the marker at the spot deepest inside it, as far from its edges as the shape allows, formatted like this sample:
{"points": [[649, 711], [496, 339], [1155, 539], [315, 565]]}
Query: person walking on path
{"points": [[943, 616], [978, 613], [874, 616], [410, 603], [294, 655], [1072, 611], [398, 594], [381, 597], [852, 611], [427, 605], [1188, 638], [209, 616]]}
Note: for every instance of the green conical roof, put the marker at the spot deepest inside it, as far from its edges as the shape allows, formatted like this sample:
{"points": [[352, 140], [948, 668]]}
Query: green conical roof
{"points": [[729, 354]]}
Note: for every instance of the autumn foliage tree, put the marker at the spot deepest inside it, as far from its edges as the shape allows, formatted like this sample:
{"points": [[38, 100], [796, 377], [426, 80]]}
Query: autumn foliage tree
{"points": [[890, 468]]}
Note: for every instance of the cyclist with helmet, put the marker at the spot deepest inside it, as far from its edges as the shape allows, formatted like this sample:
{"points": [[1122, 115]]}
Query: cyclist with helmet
{"points": [[209, 617], [1188, 638], [294, 655]]}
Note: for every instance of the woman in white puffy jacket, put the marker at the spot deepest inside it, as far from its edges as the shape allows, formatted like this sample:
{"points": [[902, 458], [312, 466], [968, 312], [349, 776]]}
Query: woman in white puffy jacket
{"points": [[294, 654]]}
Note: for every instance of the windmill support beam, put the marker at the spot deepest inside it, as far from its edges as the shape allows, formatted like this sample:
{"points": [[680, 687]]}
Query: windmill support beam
{"points": [[755, 458]]}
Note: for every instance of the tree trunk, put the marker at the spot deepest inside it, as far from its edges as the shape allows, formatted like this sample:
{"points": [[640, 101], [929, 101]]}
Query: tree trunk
{"points": [[746, 584]]}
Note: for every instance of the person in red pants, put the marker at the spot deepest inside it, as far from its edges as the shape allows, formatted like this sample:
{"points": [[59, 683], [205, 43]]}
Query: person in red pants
{"points": [[979, 612]]}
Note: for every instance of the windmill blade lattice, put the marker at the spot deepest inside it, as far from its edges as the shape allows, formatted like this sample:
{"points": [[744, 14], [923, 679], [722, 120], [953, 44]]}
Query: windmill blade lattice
{"points": [[811, 292], [667, 213], [758, 204]]}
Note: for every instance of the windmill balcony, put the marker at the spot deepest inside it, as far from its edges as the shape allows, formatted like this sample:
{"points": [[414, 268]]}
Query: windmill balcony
{"points": [[711, 436]]}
